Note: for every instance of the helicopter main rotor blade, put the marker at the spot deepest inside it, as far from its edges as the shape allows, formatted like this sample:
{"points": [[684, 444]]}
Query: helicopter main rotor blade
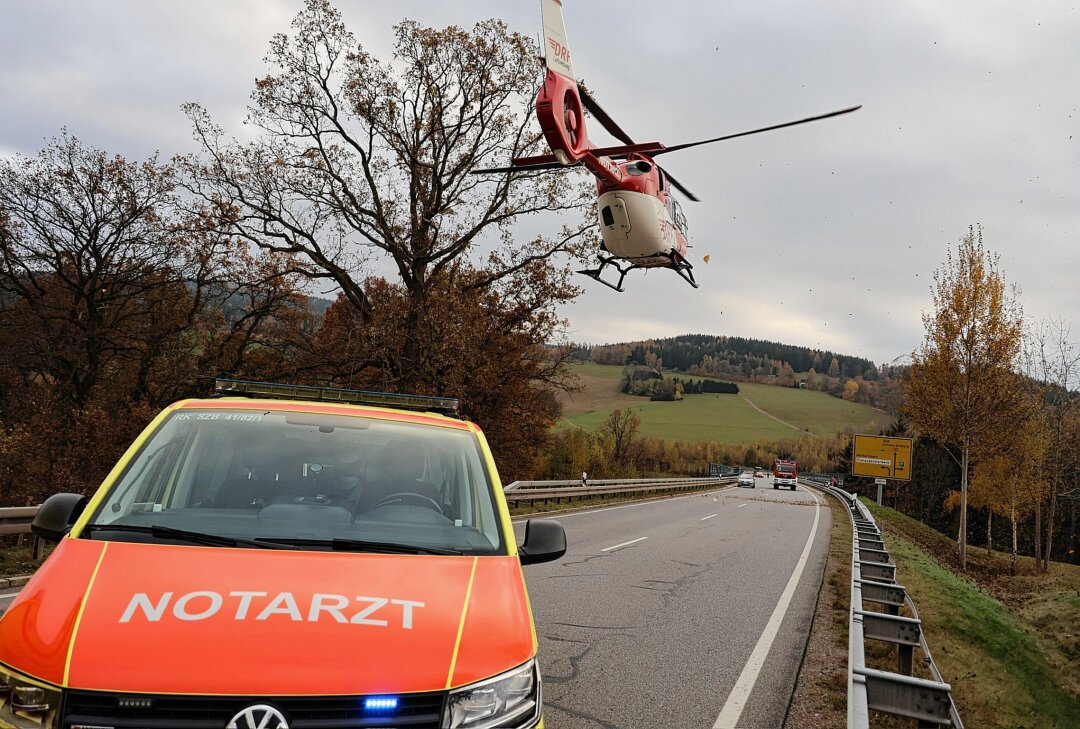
{"points": [[521, 168], [677, 147], [679, 186], [602, 116]]}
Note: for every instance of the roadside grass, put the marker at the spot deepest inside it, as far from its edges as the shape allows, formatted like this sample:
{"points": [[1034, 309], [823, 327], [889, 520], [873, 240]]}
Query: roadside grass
{"points": [[715, 417], [1007, 645], [16, 559]]}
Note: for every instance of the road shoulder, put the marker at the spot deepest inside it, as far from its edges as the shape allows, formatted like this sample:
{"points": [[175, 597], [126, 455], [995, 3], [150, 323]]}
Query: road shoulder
{"points": [[820, 696]]}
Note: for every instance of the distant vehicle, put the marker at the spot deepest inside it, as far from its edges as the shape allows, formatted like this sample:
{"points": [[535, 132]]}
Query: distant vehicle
{"points": [[785, 473], [746, 480], [759, 473]]}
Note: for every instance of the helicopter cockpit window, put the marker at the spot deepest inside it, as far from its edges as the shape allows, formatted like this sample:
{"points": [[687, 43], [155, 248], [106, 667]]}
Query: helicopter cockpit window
{"points": [[677, 215], [640, 167]]}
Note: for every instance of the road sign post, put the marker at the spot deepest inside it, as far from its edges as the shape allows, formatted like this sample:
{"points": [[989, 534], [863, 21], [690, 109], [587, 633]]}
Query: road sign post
{"points": [[880, 489]]}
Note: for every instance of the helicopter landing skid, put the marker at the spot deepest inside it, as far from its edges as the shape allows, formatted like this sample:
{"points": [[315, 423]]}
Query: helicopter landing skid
{"points": [[678, 264], [594, 273]]}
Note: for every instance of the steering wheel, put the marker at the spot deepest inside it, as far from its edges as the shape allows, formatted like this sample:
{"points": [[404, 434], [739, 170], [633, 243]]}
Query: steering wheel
{"points": [[419, 499]]}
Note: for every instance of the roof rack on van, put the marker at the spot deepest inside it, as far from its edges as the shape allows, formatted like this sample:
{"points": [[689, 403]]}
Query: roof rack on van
{"points": [[250, 388]]}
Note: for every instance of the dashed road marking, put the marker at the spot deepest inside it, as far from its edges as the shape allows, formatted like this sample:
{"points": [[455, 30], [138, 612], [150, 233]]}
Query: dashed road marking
{"points": [[706, 518], [9, 594], [740, 506], [624, 544]]}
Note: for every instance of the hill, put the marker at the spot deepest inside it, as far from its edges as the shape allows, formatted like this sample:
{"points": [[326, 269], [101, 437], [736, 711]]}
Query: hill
{"points": [[757, 412], [745, 359]]}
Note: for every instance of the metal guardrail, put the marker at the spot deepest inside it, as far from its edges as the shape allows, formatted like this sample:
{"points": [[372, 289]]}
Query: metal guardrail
{"points": [[873, 580], [15, 521], [531, 491]]}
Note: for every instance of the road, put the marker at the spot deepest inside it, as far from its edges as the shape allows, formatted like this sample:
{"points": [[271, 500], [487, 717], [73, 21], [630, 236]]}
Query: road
{"points": [[6, 596], [652, 616], [655, 613]]}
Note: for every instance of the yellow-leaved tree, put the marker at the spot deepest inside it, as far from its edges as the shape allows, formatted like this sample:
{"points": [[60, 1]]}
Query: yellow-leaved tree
{"points": [[962, 388]]}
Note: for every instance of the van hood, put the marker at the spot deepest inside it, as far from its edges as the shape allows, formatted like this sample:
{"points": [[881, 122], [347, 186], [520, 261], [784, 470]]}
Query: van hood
{"points": [[126, 617]]}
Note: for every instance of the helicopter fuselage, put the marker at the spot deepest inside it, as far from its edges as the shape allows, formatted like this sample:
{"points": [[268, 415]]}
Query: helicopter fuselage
{"points": [[640, 222]]}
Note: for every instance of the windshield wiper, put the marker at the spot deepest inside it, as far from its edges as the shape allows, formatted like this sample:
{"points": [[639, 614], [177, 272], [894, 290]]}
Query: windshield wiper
{"points": [[359, 545], [165, 532]]}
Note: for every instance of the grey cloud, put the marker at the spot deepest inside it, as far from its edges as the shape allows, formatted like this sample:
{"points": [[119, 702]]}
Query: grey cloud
{"points": [[968, 113]]}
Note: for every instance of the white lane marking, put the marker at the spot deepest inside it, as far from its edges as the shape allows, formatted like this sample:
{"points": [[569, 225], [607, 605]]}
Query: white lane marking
{"points": [[706, 518], [624, 506], [624, 544], [10, 594], [740, 506], [740, 693]]}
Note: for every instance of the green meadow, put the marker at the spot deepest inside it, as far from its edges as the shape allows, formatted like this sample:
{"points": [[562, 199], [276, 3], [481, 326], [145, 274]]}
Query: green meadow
{"points": [[721, 418]]}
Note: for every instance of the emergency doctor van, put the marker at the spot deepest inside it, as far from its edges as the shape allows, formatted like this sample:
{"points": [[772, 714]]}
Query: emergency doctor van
{"points": [[283, 557]]}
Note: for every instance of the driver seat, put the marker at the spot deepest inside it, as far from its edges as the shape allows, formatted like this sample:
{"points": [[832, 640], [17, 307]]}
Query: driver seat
{"points": [[394, 471]]}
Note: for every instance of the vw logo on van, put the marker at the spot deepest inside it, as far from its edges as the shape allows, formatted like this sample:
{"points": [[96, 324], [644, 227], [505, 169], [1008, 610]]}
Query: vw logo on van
{"points": [[259, 716]]}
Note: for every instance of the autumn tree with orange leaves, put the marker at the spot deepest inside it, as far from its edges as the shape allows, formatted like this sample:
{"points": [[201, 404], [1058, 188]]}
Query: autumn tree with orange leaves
{"points": [[961, 390], [116, 297], [362, 170]]}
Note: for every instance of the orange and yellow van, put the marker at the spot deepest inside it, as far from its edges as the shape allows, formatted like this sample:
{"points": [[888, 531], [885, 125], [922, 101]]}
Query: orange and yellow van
{"points": [[283, 557]]}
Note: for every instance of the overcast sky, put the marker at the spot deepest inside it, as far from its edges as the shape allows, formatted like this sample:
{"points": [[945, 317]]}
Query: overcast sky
{"points": [[825, 235]]}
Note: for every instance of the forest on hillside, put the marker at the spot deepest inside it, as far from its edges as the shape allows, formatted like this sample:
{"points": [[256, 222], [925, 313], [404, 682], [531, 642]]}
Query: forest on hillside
{"points": [[745, 359]]}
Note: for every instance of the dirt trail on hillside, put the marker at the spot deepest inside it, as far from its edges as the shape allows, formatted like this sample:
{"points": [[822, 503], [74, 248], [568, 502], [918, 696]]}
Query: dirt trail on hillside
{"points": [[770, 415]]}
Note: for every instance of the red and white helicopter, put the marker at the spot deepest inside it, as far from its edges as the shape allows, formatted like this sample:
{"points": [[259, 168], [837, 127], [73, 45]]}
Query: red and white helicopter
{"points": [[640, 220]]}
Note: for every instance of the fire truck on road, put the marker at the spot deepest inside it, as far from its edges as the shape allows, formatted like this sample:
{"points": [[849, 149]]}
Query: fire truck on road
{"points": [[785, 473]]}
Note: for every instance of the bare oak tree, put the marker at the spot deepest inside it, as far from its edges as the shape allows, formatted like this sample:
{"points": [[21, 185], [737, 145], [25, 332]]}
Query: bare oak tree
{"points": [[358, 160]]}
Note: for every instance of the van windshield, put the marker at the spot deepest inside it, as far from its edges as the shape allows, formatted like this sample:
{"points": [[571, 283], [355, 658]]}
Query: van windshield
{"points": [[311, 478]]}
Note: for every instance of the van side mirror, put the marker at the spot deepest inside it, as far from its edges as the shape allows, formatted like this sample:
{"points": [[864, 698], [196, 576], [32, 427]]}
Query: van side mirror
{"points": [[545, 540], [56, 516]]}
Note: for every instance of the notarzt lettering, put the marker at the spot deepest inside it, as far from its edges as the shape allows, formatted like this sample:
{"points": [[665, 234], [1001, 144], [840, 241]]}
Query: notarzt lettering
{"points": [[203, 604]]}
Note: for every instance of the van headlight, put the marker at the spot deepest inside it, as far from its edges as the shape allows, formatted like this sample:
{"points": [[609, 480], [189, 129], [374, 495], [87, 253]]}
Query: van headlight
{"points": [[511, 700], [26, 703]]}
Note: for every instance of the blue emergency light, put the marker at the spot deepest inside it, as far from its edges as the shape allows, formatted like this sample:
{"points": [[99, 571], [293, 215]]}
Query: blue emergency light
{"points": [[380, 703]]}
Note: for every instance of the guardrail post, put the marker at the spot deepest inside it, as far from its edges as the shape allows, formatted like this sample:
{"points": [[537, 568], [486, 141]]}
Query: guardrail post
{"points": [[39, 549], [904, 632]]}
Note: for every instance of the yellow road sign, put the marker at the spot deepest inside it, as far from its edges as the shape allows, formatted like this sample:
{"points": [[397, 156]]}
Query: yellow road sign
{"points": [[880, 457]]}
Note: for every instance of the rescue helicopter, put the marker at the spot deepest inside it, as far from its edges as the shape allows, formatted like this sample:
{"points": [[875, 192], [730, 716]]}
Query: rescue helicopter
{"points": [[642, 225]]}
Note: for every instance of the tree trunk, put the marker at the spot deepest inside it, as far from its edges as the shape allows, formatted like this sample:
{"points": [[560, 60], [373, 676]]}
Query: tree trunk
{"points": [[1050, 524], [961, 538], [1013, 518], [1038, 534], [989, 531]]}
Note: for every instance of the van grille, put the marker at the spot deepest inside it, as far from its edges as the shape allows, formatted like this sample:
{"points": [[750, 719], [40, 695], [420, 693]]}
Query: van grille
{"points": [[129, 711]]}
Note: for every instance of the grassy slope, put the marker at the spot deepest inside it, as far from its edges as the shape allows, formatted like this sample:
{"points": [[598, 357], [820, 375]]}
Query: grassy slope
{"points": [[723, 418], [1009, 646], [814, 411]]}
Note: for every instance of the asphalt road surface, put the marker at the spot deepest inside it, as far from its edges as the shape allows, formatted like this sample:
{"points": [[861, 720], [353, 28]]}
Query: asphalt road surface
{"points": [[683, 612], [6, 596], [661, 613]]}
